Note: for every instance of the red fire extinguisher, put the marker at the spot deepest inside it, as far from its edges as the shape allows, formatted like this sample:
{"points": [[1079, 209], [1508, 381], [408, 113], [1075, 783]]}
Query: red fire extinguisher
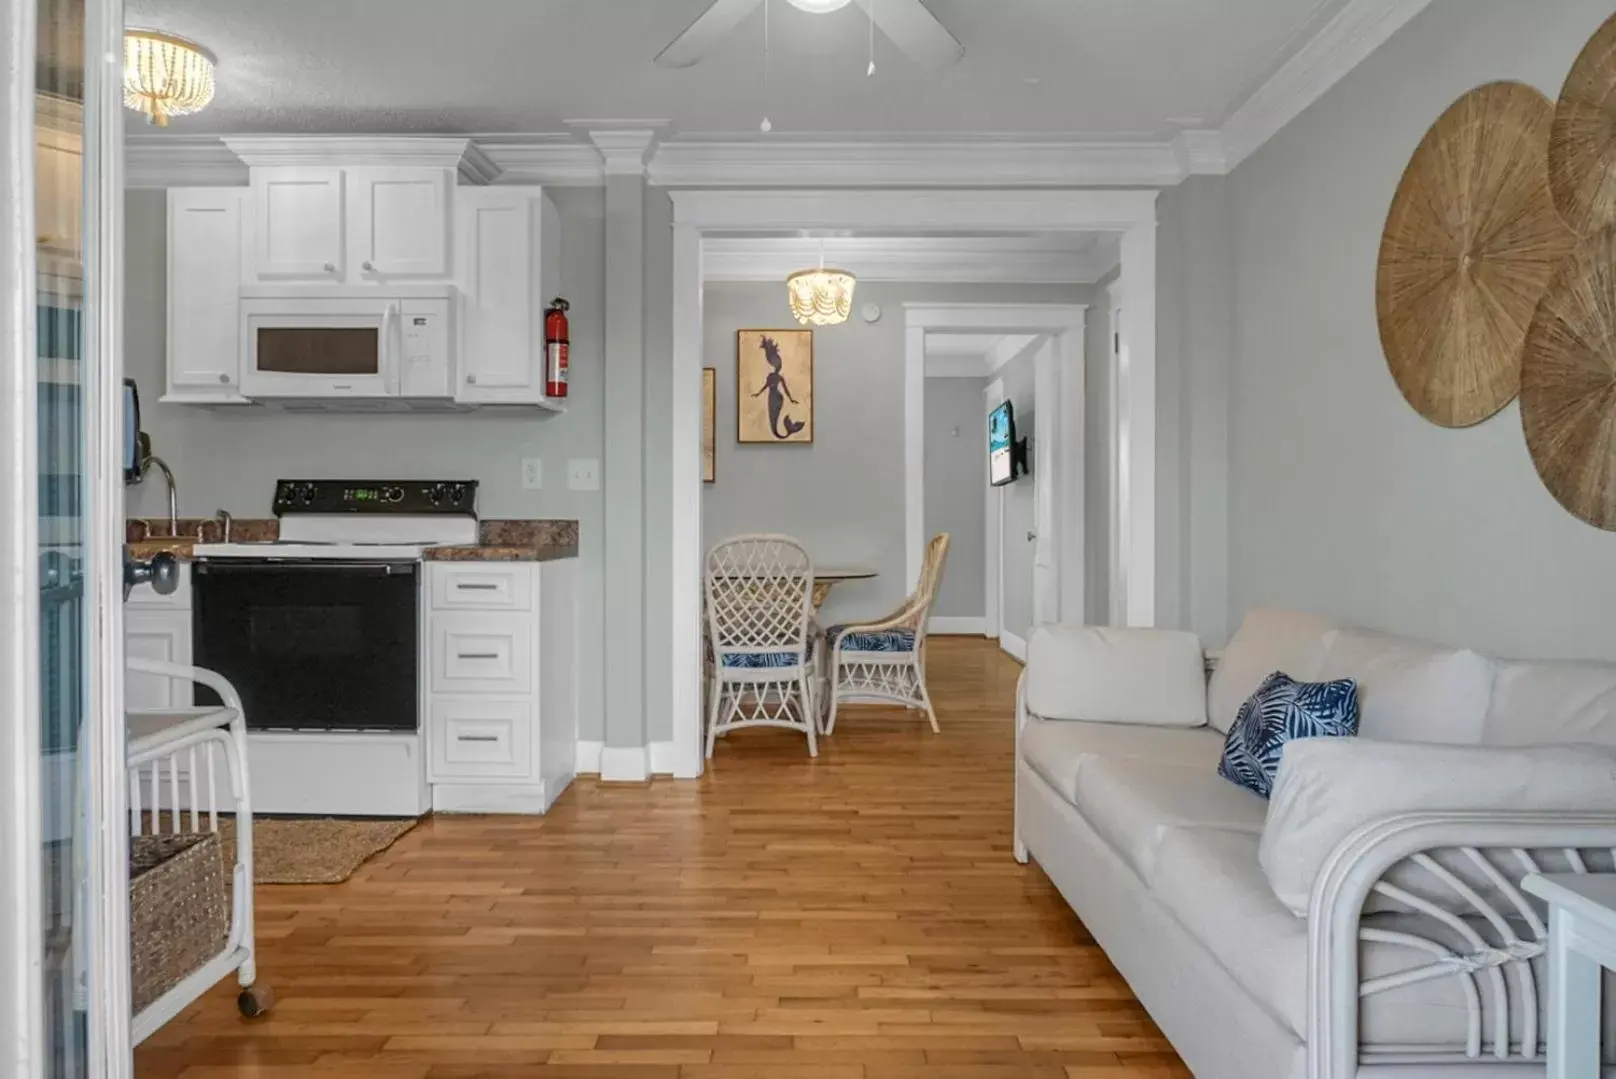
{"points": [[555, 348]]}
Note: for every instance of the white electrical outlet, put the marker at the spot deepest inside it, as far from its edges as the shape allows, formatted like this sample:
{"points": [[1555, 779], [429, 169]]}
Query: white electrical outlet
{"points": [[532, 473], [583, 474]]}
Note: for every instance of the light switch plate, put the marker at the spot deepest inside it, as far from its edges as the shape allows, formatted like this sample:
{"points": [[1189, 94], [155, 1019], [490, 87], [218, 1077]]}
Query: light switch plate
{"points": [[583, 474], [532, 473]]}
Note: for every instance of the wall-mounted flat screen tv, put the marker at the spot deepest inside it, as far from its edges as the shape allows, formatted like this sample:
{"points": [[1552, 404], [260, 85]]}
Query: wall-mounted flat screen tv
{"points": [[1002, 445]]}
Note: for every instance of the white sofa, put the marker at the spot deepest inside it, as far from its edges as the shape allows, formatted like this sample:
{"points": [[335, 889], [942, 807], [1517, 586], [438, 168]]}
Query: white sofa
{"points": [[1366, 920]]}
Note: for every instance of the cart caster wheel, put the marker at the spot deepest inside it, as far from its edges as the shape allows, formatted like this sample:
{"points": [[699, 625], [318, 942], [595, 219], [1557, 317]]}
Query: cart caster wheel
{"points": [[255, 1000]]}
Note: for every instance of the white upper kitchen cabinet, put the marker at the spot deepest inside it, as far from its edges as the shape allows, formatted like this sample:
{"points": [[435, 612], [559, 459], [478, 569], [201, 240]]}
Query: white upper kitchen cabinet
{"points": [[299, 216], [206, 249], [507, 265], [400, 222]]}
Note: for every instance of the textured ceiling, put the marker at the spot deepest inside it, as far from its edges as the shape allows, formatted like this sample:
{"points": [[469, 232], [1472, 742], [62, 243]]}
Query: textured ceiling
{"points": [[1091, 68]]}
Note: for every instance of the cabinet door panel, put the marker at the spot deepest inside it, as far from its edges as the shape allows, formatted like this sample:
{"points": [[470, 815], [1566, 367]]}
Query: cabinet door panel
{"points": [[165, 637], [482, 653], [401, 222], [300, 221], [474, 738], [502, 339], [204, 290]]}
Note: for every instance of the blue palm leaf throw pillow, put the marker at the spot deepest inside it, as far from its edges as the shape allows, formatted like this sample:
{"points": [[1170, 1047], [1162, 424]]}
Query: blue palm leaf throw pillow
{"points": [[1281, 710]]}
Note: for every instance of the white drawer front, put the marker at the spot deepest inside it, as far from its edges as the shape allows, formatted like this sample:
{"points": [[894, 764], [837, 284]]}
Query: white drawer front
{"points": [[482, 653], [477, 737], [492, 586]]}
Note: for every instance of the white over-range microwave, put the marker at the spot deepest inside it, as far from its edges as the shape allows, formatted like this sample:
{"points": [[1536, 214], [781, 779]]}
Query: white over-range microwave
{"points": [[335, 341]]}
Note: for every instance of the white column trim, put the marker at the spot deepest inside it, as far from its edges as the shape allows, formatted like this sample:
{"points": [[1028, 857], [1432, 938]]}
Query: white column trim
{"points": [[624, 151], [1138, 382], [684, 547], [22, 1024], [914, 453]]}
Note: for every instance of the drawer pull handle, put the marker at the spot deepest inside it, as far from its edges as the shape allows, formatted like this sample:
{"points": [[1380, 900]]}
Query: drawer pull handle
{"points": [[477, 738], [478, 655], [472, 586]]}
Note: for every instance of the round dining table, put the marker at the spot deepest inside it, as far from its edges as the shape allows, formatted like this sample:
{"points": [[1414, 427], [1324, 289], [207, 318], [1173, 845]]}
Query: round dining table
{"points": [[827, 577]]}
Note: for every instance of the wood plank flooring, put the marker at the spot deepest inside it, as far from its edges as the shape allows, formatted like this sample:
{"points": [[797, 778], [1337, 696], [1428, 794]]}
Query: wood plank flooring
{"points": [[853, 917]]}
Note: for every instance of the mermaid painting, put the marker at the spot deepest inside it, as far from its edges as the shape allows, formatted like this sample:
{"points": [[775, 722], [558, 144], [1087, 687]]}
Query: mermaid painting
{"points": [[769, 380]]}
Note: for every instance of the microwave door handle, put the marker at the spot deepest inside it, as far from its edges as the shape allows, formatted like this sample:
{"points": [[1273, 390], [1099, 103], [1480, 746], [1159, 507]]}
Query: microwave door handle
{"points": [[389, 356]]}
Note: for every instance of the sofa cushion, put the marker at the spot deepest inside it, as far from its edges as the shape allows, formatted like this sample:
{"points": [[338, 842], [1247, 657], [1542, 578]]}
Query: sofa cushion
{"points": [[1330, 787], [1411, 691], [1133, 802], [1268, 640], [1058, 749], [1551, 703], [1099, 675], [1210, 881], [1281, 711]]}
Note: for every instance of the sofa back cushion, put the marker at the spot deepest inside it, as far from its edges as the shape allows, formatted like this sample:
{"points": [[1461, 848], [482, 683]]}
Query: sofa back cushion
{"points": [[1269, 640], [1152, 677], [1411, 691], [1328, 788], [1540, 703]]}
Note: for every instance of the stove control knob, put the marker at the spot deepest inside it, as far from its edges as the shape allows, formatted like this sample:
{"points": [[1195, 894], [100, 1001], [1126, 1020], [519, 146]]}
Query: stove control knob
{"points": [[305, 493], [438, 493], [393, 494], [457, 494]]}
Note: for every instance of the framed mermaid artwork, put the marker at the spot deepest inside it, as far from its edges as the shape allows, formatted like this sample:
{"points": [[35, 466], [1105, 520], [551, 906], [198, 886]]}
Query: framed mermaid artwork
{"points": [[774, 386]]}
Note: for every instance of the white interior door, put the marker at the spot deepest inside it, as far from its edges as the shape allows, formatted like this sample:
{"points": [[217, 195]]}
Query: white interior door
{"points": [[64, 937], [1047, 485]]}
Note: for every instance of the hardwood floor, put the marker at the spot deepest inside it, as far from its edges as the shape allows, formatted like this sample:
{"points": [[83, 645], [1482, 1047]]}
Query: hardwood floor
{"points": [[853, 917]]}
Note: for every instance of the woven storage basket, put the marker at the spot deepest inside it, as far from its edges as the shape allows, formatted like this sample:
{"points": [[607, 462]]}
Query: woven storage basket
{"points": [[179, 910]]}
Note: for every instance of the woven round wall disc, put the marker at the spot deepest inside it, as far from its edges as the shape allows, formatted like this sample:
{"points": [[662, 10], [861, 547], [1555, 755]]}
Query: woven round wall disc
{"points": [[1582, 141], [1568, 383], [1471, 242]]}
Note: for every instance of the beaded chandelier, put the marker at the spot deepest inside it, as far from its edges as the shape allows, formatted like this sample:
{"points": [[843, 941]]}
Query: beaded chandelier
{"points": [[165, 76]]}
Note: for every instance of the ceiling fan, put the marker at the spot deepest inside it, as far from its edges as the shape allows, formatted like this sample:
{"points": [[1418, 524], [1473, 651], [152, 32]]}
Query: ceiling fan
{"points": [[914, 30]]}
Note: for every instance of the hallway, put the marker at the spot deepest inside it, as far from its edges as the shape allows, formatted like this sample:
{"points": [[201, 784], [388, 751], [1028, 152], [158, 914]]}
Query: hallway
{"points": [[853, 917]]}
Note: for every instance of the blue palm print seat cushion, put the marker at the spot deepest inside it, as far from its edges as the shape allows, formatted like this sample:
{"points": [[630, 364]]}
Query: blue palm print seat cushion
{"points": [[1282, 710], [887, 640], [765, 661]]}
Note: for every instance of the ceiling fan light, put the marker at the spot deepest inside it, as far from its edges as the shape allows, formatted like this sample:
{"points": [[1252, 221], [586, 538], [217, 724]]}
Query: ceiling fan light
{"points": [[819, 7]]}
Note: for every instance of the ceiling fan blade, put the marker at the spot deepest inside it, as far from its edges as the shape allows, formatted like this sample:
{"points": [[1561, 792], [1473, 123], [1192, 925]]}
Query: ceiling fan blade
{"points": [[915, 31], [710, 27]]}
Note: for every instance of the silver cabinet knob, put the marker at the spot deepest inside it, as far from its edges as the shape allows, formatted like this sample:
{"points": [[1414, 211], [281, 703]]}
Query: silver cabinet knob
{"points": [[225, 379], [368, 266], [331, 267], [471, 380]]}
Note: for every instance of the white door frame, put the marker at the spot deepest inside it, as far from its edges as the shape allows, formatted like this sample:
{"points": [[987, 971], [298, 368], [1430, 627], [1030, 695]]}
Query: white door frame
{"points": [[105, 847], [1056, 327], [1129, 213], [993, 520]]}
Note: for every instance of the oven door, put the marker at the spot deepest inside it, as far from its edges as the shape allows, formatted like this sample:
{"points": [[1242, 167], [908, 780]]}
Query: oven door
{"points": [[312, 645]]}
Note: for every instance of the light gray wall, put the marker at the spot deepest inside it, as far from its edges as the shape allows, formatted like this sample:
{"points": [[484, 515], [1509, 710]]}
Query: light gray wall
{"points": [[1344, 500], [1195, 347], [956, 479], [231, 458], [1020, 511], [843, 496], [1098, 458]]}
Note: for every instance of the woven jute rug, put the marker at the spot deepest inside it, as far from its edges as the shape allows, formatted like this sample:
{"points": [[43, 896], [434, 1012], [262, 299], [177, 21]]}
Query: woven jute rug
{"points": [[312, 851]]}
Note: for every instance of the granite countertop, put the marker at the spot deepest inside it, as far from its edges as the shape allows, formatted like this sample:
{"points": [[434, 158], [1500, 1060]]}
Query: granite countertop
{"points": [[497, 540], [514, 541]]}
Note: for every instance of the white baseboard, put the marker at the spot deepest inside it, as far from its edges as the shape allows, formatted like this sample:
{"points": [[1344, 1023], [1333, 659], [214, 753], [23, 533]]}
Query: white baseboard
{"points": [[625, 764], [943, 626], [588, 759], [663, 758], [1013, 645]]}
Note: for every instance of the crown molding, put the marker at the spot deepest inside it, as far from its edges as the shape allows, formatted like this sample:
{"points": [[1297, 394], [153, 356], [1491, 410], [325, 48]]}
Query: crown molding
{"points": [[974, 162], [1201, 153], [1345, 42], [181, 161], [399, 151], [991, 260], [555, 161], [624, 150]]}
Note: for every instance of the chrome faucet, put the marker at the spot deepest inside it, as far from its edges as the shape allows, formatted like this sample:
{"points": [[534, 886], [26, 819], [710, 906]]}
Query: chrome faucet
{"points": [[226, 523], [173, 492]]}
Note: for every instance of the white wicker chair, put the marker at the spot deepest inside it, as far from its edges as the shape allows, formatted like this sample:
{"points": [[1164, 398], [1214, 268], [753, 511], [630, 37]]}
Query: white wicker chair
{"points": [[882, 661], [759, 612]]}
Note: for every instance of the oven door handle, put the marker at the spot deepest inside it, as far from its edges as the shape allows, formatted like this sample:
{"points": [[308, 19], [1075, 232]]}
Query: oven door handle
{"points": [[211, 568]]}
